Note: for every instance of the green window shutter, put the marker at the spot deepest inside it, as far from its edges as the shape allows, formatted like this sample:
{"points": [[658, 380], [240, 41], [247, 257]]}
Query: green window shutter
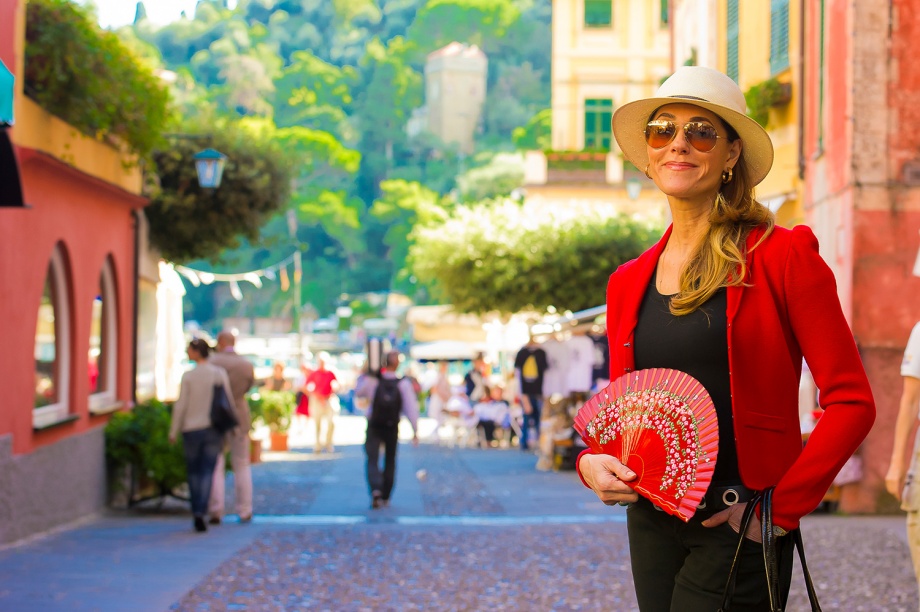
{"points": [[731, 40], [598, 113], [664, 13], [779, 36], [598, 13]]}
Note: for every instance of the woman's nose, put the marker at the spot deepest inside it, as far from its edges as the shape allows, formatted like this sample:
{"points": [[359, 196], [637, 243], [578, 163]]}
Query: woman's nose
{"points": [[680, 142]]}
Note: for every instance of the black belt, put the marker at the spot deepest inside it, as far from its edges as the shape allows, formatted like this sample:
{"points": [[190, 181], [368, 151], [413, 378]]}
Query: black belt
{"points": [[720, 498], [717, 499]]}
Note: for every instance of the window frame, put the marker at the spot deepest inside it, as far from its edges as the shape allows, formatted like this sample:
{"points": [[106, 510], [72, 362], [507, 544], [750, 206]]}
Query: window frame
{"points": [[59, 411], [104, 399], [597, 3], [598, 107]]}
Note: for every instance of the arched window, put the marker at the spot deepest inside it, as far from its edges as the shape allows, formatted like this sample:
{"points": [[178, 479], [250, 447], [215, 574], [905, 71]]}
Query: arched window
{"points": [[103, 345], [52, 346]]}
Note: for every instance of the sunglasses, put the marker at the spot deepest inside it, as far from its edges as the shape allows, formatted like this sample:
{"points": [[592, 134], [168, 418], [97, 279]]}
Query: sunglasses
{"points": [[701, 136]]}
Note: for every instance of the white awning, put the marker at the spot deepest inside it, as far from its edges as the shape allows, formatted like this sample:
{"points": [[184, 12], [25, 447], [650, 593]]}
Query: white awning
{"points": [[774, 203]]}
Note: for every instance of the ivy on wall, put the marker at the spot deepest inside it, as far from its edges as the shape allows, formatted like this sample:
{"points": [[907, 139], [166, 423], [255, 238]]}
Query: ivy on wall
{"points": [[761, 97], [88, 78]]}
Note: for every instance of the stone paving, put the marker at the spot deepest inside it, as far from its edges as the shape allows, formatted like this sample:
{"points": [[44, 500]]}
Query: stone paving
{"points": [[468, 529]]}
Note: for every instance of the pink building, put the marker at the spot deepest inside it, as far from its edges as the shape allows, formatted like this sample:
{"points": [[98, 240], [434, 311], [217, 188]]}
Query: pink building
{"points": [[67, 303], [861, 153]]}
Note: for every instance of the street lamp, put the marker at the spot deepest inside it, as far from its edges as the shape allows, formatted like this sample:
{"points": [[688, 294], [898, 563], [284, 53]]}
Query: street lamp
{"points": [[210, 167]]}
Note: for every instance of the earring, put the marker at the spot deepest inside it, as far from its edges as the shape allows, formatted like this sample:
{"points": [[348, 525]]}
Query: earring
{"points": [[727, 175], [646, 171]]}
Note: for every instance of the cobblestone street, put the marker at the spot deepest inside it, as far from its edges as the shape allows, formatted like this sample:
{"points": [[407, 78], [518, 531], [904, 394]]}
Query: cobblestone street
{"points": [[479, 530]]}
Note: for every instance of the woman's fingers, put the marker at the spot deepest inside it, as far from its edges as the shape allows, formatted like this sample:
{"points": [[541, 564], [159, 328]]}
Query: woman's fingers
{"points": [[732, 515], [608, 478]]}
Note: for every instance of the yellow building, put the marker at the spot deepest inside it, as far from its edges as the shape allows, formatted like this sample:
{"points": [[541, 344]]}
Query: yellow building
{"points": [[605, 53], [757, 43]]}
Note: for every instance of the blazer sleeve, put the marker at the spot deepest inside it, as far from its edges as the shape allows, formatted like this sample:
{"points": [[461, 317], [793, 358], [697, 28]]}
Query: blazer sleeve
{"points": [[817, 322], [180, 407]]}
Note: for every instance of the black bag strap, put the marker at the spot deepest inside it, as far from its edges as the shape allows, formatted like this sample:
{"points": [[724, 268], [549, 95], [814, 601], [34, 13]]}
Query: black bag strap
{"points": [[771, 562]]}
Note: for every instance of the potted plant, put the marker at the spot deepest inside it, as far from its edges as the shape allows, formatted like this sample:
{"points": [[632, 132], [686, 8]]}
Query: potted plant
{"points": [[255, 421], [139, 455], [277, 409]]}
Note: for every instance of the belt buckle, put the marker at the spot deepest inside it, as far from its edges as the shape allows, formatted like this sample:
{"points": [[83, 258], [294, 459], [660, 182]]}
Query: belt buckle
{"points": [[733, 492]]}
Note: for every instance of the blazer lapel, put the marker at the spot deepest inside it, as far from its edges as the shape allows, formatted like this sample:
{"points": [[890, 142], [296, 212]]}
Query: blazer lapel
{"points": [[733, 294]]}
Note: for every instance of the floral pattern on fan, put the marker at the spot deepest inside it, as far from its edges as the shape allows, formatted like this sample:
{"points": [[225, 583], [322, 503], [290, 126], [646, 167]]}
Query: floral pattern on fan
{"points": [[662, 424]]}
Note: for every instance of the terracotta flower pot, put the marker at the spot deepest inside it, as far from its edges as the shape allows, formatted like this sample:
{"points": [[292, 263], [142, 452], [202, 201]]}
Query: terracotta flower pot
{"points": [[255, 451], [279, 441]]}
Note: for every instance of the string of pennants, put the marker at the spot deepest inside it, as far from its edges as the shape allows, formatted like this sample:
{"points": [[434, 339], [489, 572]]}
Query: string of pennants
{"points": [[275, 271]]}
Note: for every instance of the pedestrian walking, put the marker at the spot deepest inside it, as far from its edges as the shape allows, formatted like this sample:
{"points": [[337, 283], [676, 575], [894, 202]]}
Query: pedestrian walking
{"points": [[390, 398], [191, 415], [900, 482], [321, 384], [241, 375], [735, 302], [530, 366]]}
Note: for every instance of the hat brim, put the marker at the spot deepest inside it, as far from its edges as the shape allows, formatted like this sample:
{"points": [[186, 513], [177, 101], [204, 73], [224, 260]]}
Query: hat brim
{"points": [[629, 123]]}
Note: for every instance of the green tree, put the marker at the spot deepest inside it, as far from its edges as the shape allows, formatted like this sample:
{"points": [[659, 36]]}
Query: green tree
{"points": [[480, 22], [537, 134], [498, 178], [188, 222], [508, 257], [393, 90], [402, 206], [315, 94]]}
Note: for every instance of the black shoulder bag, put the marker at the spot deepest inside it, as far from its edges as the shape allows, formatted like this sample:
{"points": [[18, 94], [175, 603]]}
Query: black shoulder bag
{"points": [[771, 565], [223, 417]]}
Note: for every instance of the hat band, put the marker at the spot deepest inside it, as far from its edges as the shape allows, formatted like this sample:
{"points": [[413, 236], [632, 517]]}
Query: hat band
{"points": [[690, 98]]}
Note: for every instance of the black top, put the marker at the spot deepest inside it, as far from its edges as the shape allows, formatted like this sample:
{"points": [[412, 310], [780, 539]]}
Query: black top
{"points": [[697, 344], [531, 361]]}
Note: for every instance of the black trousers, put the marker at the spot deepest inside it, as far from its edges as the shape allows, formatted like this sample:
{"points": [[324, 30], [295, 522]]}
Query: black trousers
{"points": [[683, 567], [388, 437]]}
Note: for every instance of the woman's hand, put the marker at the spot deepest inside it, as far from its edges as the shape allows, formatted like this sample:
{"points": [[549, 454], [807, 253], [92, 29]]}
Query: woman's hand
{"points": [[733, 515], [607, 477], [894, 480]]}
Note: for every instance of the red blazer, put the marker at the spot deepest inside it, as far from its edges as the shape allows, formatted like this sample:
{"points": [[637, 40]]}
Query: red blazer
{"points": [[788, 309]]}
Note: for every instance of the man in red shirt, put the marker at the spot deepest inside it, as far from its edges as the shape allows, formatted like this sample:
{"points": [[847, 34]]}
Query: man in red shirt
{"points": [[321, 384]]}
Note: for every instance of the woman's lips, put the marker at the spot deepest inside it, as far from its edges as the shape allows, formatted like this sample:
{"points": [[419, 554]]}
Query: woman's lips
{"points": [[678, 166]]}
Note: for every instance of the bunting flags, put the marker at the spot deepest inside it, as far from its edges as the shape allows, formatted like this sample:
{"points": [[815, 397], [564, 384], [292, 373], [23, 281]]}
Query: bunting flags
{"points": [[202, 277]]}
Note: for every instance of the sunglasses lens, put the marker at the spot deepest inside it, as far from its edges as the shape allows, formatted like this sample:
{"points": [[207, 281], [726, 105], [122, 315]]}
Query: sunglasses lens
{"points": [[659, 133], [701, 136]]}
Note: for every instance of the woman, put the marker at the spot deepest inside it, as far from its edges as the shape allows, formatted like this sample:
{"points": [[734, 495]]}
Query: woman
{"points": [[191, 415], [277, 381], [438, 396], [736, 303]]}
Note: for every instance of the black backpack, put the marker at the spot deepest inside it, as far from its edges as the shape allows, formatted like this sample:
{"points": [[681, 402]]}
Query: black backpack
{"points": [[387, 403]]}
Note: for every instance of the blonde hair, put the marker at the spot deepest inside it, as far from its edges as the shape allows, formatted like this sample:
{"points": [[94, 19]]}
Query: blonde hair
{"points": [[720, 258]]}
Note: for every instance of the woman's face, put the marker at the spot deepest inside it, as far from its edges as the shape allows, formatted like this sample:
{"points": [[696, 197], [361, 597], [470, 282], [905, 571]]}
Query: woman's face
{"points": [[679, 169]]}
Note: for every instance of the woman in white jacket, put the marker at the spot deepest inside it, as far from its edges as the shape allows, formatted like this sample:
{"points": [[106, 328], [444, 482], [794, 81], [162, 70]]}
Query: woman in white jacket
{"points": [[191, 416]]}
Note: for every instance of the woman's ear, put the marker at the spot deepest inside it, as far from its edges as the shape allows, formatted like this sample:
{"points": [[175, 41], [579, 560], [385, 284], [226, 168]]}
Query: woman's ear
{"points": [[734, 152]]}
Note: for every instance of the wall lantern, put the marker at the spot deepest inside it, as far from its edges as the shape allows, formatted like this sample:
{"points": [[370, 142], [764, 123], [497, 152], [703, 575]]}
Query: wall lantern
{"points": [[210, 167], [633, 188]]}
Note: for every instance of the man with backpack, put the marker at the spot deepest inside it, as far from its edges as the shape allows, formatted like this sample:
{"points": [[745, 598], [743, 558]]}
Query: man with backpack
{"points": [[389, 397]]}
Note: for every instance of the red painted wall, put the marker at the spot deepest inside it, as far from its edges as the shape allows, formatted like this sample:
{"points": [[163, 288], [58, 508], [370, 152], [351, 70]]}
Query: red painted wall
{"points": [[8, 10], [92, 220]]}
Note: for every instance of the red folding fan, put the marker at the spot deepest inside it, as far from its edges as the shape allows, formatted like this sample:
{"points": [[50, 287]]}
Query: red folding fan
{"points": [[662, 424]]}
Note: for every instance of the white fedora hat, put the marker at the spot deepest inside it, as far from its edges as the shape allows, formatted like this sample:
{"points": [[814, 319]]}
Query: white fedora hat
{"points": [[706, 88]]}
